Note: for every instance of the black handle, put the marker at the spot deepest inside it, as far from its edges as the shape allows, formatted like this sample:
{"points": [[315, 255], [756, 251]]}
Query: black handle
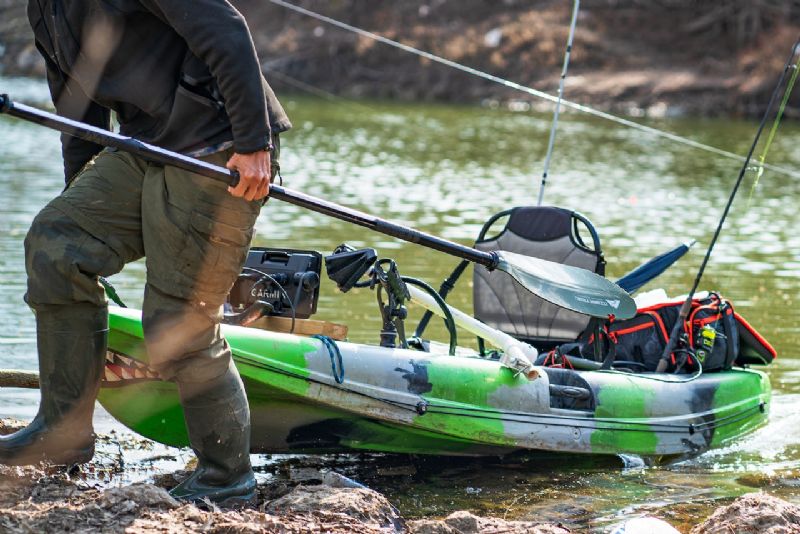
{"points": [[234, 181]]}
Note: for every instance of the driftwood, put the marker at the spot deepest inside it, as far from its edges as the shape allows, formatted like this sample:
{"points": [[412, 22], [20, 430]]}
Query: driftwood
{"points": [[14, 378]]}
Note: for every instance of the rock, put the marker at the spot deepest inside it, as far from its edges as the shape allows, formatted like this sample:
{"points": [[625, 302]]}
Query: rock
{"points": [[363, 504], [430, 526], [645, 525], [463, 522], [137, 496], [753, 513]]}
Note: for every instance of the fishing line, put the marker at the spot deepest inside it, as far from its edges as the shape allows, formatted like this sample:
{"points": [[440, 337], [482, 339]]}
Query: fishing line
{"points": [[551, 142], [763, 157], [529, 90], [684, 311], [312, 89], [759, 167]]}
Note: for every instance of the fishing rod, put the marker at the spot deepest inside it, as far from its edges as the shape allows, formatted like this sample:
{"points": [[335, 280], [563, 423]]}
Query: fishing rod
{"points": [[576, 289], [525, 89], [551, 142], [686, 307]]}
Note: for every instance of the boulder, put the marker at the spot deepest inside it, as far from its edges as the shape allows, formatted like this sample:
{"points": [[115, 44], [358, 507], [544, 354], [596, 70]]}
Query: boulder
{"points": [[463, 522], [136, 496], [363, 504], [756, 513]]}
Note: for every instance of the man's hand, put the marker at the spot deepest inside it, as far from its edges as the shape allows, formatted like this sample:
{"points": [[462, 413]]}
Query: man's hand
{"points": [[254, 175]]}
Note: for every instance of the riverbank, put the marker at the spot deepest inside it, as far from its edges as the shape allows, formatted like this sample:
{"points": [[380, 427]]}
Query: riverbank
{"points": [[42, 499], [637, 58]]}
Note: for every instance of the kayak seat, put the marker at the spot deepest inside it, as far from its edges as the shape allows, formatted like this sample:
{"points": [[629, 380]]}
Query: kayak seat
{"points": [[551, 233]]}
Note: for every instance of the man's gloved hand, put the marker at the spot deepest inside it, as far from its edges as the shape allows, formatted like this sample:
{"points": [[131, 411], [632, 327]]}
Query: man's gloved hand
{"points": [[254, 175]]}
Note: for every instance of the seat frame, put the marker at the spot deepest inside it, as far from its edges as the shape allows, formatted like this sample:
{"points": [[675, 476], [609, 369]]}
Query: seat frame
{"points": [[577, 218]]}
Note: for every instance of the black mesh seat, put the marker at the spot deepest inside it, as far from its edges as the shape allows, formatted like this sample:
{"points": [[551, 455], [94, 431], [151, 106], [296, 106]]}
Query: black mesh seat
{"points": [[550, 233], [555, 234]]}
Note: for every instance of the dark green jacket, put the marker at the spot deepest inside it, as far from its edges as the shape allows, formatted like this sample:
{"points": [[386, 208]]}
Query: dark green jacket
{"points": [[181, 74]]}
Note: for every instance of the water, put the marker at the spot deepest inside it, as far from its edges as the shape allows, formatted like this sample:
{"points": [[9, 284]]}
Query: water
{"points": [[446, 169]]}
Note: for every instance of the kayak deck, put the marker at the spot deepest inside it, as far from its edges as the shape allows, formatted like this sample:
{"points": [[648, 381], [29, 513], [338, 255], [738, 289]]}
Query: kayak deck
{"points": [[398, 400]]}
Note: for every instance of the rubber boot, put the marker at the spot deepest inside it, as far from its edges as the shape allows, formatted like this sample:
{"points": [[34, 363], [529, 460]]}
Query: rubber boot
{"points": [[218, 421], [72, 348]]}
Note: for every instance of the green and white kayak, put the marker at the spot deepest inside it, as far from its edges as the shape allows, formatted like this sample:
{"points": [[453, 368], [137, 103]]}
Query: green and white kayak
{"points": [[406, 401]]}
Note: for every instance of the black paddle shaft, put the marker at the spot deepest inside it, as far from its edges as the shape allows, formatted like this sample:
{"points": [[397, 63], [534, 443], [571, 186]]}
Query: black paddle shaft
{"points": [[156, 154]]}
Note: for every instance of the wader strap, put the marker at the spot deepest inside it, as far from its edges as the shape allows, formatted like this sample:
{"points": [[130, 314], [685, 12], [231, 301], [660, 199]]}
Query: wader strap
{"points": [[728, 325], [610, 355]]}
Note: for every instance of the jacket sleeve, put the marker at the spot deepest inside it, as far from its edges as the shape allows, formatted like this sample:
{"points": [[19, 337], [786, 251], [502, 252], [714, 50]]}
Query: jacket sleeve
{"points": [[71, 102], [217, 33]]}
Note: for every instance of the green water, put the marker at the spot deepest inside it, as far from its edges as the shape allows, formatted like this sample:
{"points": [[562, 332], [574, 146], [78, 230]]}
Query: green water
{"points": [[445, 169]]}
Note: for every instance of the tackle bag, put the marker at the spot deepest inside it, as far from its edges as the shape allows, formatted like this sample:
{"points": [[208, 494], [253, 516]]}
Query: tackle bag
{"points": [[714, 337]]}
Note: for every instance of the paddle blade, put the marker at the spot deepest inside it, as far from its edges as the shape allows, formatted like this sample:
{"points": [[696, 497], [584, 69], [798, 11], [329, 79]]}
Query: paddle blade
{"points": [[638, 277], [570, 287]]}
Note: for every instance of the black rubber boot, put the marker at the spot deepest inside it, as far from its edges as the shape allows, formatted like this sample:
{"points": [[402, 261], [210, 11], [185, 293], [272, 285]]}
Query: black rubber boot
{"points": [[72, 348], [218, 421]]}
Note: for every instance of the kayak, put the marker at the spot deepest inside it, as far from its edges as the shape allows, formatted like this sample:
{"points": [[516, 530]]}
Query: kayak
{"points": [[313, 395]]}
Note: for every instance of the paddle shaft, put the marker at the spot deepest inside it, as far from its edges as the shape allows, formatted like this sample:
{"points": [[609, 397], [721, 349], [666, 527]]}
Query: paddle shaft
{"points": [[167, 157]]}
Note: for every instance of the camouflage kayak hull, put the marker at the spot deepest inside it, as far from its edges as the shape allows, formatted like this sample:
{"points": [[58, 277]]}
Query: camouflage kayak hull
{"points": [[396, 400]]}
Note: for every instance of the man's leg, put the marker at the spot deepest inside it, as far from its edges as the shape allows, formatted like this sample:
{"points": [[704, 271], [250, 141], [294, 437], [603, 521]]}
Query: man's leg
{"points": [[193, 353], [196, 240], [92, 229]]}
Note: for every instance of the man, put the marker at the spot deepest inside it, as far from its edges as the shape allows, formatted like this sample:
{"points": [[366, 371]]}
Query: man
{"points": [[182, 74]]}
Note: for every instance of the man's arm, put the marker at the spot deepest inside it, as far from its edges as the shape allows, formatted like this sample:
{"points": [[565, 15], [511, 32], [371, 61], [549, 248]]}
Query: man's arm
{"points": [[71, 102], [217, 33]]}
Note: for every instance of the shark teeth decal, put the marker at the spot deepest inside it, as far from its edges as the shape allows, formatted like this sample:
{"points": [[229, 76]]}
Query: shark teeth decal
{"points": [[121, 368]]}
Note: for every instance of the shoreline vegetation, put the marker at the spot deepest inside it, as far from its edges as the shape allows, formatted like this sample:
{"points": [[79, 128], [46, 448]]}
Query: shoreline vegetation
{"points": [[49, 499], [633, 57]]}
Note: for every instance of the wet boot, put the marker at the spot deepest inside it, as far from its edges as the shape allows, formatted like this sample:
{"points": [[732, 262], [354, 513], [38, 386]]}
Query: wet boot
{"points": [[218, 420], [72, 347]]}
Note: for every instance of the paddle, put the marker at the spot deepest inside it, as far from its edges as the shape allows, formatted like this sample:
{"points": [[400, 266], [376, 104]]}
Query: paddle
{"points": [[569, 287]]}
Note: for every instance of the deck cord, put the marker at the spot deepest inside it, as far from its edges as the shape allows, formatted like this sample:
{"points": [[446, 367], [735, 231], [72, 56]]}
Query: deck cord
{"points": [[335, 355]]}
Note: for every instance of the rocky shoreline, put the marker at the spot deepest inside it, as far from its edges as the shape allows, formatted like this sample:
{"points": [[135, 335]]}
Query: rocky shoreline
{"points": [[37, 500], [47, 499], [637, 58]]}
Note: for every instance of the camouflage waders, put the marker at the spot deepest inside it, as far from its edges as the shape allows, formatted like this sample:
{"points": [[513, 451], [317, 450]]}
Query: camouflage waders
{"points": [[194, 236]]}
